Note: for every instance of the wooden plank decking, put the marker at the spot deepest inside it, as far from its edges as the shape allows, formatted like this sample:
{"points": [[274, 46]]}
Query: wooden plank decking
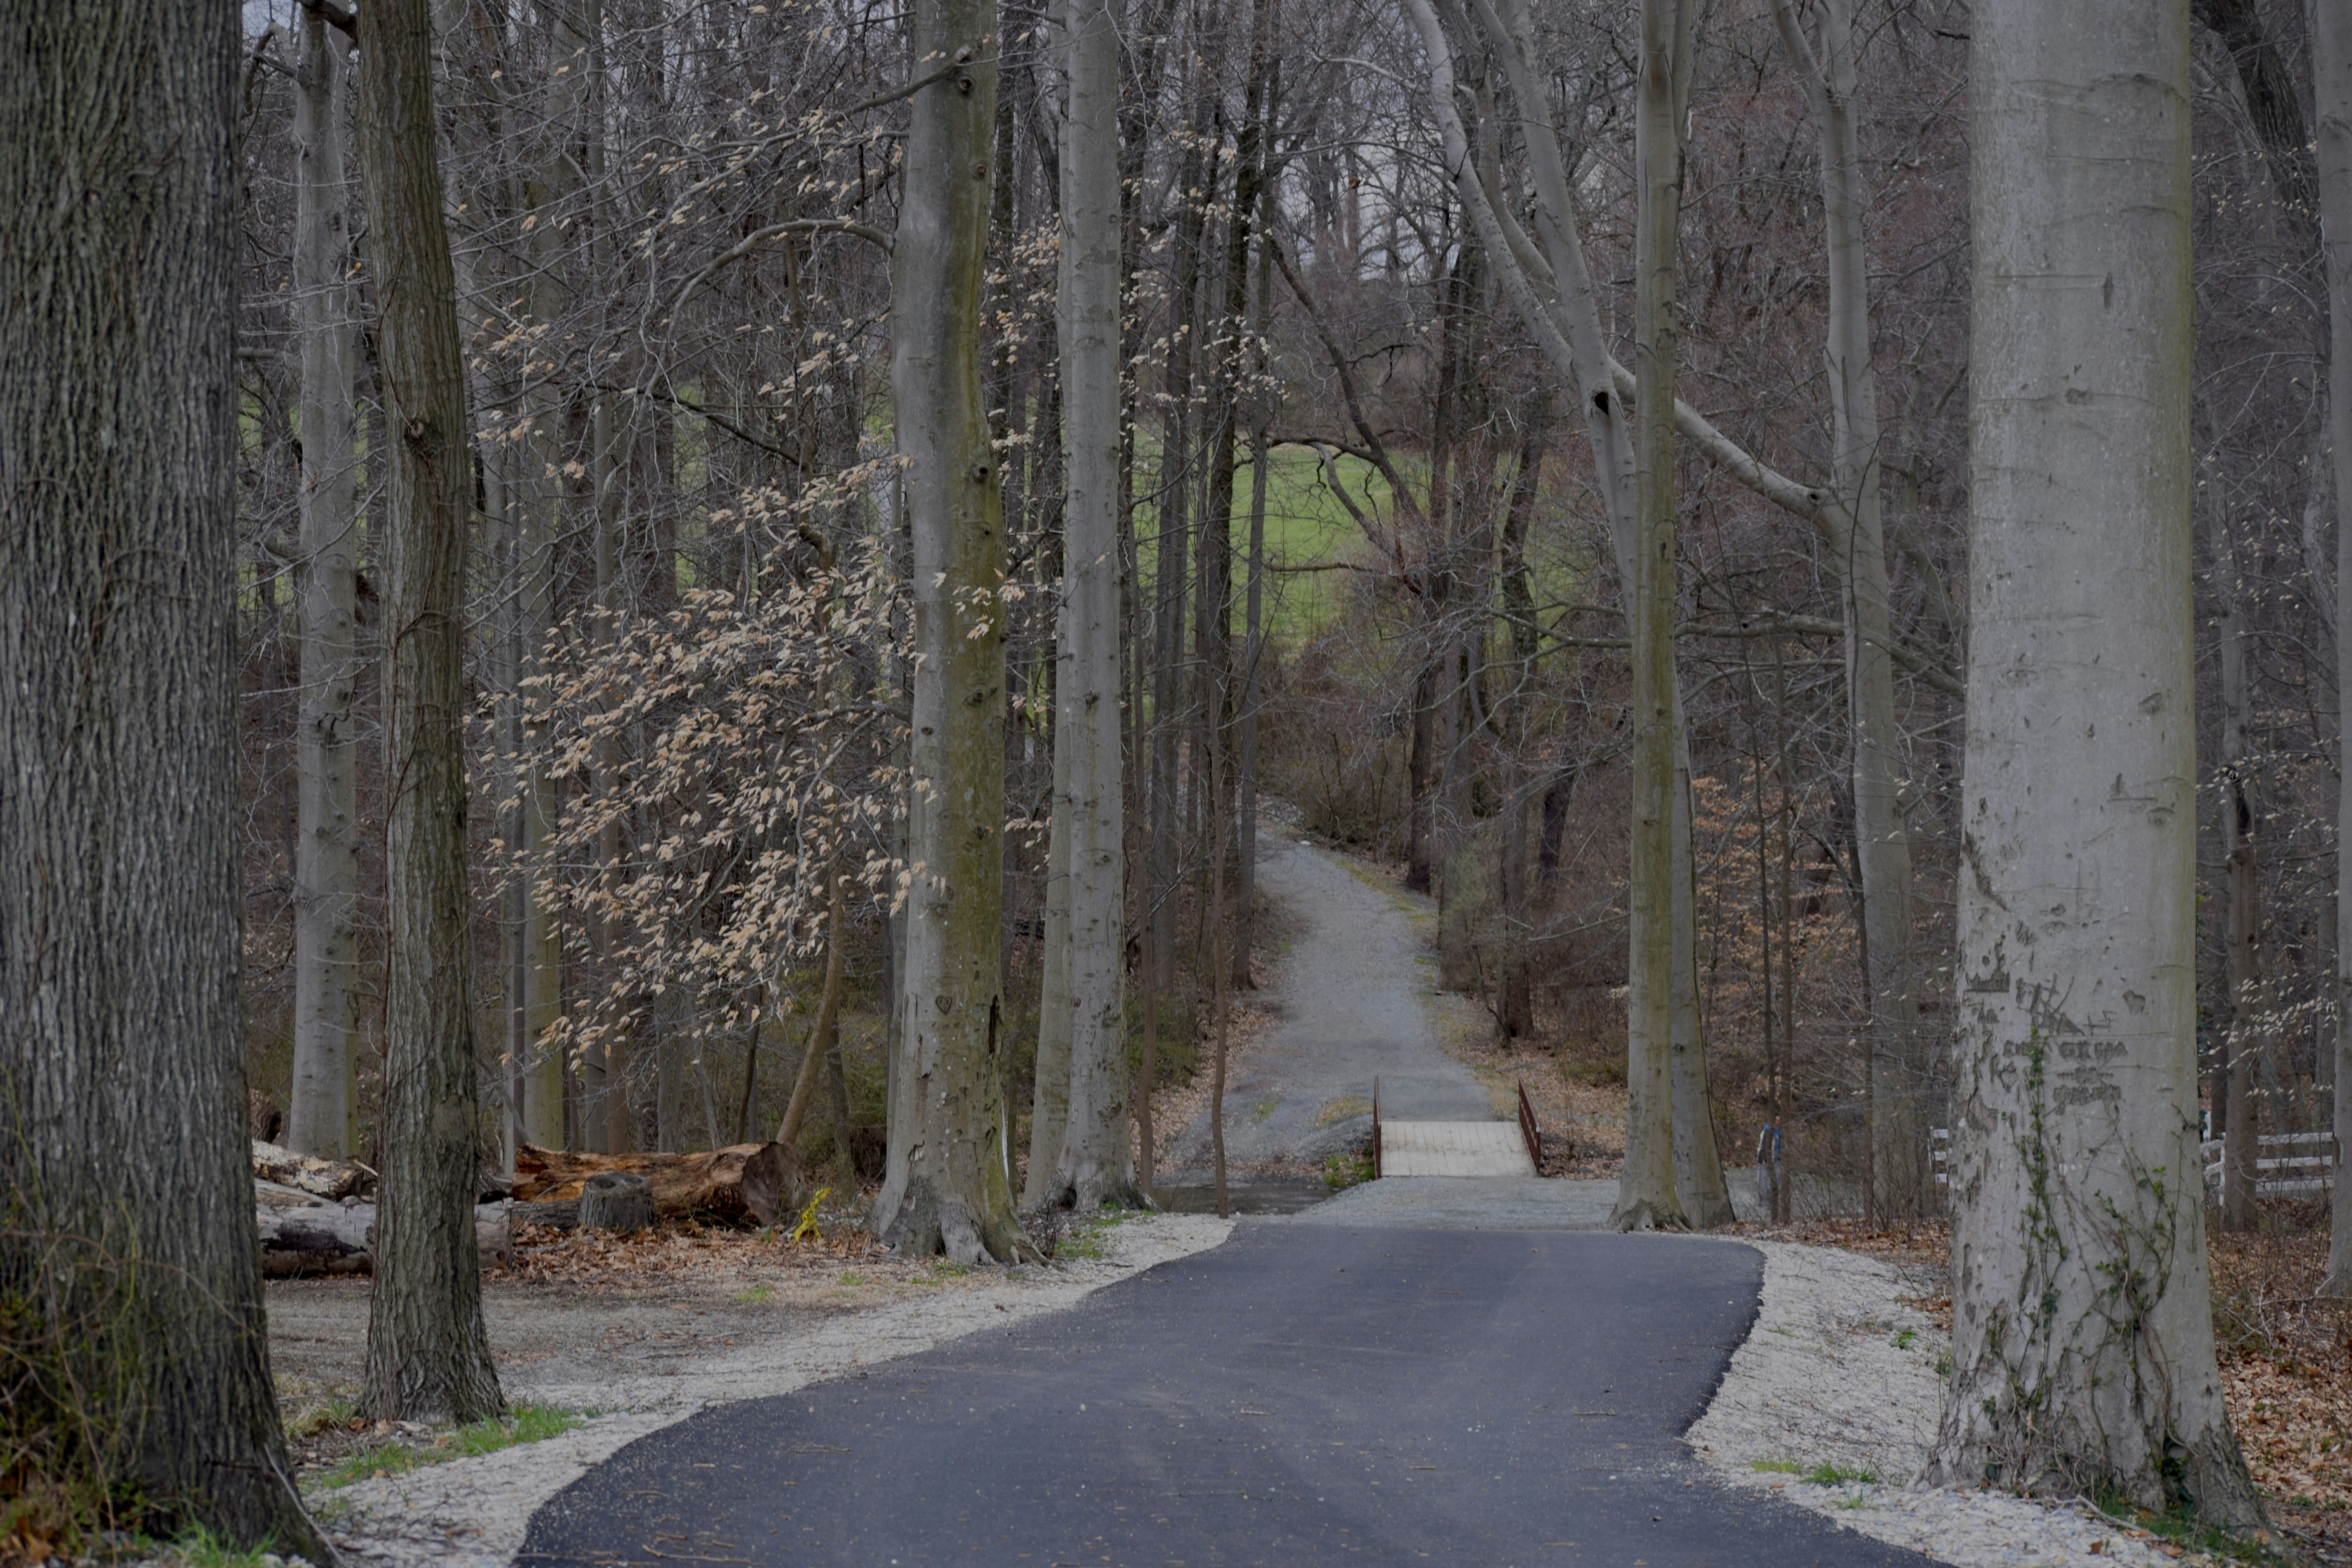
{"points": [[1453, 1149]]}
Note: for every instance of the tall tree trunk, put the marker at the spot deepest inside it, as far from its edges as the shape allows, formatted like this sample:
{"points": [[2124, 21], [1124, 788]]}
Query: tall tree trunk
{"points": [[549, 192], [1645, 1188], [322, 1118], [131, 1284], [1097, 1162], [1253, 624], [428, 1356], [2242, 1022], [1699, 1181], [1514, 998], [1551, 291], [2331, 71], [1049, 1100], [1898, 1122], [2082, 1343], [947, 1188]]}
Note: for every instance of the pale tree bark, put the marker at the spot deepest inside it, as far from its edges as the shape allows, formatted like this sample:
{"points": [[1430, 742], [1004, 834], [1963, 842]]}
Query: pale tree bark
{"points": [[322, 1117], [1898, 1122], [1551, 291], [128, 1274], [949, 1185], [2082, 1343], [2331, 71], [1097, 1162], [1645, 1187], [428, 1356]]}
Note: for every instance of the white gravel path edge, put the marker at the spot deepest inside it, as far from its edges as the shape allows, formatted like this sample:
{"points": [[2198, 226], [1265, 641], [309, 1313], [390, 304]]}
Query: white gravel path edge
{"points": [[1838, 1371], [473, 1514]]}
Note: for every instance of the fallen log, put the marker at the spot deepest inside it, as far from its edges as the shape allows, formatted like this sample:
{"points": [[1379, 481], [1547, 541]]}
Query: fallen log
{"points": [[709, 1184], [336, 1238], [333, 1179]]}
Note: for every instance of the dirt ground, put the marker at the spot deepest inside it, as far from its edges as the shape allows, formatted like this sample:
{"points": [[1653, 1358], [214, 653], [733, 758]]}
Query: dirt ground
{"points": [[577, 1311]]}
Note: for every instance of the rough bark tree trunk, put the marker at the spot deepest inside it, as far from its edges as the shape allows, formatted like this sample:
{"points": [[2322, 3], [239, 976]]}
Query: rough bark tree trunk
{"points": [[947, 1189], [2331, 71], [322, 1113], [2082, 1343], [1095, 1163], [131, 1287], [428, 1356]]}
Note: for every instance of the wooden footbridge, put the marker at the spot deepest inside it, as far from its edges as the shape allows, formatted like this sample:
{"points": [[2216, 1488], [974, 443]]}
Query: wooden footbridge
{"points": [[1457, 1148]]}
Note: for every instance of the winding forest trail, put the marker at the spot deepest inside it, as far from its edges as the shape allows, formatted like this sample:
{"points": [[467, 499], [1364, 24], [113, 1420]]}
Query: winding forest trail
{"points": [[1355, 1004]]}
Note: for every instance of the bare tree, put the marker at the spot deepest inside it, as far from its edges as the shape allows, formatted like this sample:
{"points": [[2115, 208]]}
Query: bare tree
{"points": [[1095, 1163], [2082, 1337], [322, 1115], [1898, 1125], [428, 1355], [128, 1276], [1645, 1189], [949, 1186]]}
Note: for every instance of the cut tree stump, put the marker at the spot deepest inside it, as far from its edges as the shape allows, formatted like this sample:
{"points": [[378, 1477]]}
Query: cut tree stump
{"points": [[616, 1201], [708, 1183], [773, 1183]]}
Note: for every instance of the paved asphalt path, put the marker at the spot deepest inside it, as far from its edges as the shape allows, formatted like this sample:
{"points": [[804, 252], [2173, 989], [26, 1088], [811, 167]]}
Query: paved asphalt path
{"points": [[1301, 1396]]}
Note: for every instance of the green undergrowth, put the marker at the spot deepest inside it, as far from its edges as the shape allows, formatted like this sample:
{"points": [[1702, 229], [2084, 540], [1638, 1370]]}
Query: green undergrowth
{"points": [[1820, 1475], [1088, 1238], [398, 1456], [1341, 1171], [200, 1548]]}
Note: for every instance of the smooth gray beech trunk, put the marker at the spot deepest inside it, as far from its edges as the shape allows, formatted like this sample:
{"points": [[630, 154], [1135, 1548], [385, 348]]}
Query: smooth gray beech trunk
{"points": [[2082, 1340], [129, 1277], [948, 1185], [427, 1356], [1096, 1165], [1898, 1073], [2331, 73], [1645, 1186], [323, 1117], [1552, 292]]}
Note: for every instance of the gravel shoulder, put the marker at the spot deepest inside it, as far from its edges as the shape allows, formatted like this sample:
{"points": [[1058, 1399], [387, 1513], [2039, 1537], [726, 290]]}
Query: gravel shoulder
{"points": [[1840, 1371], [645, 1364]]}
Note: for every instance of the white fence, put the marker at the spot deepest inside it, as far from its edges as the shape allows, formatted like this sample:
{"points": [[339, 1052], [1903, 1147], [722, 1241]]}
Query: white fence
{"points": [[2315, 1171]]}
